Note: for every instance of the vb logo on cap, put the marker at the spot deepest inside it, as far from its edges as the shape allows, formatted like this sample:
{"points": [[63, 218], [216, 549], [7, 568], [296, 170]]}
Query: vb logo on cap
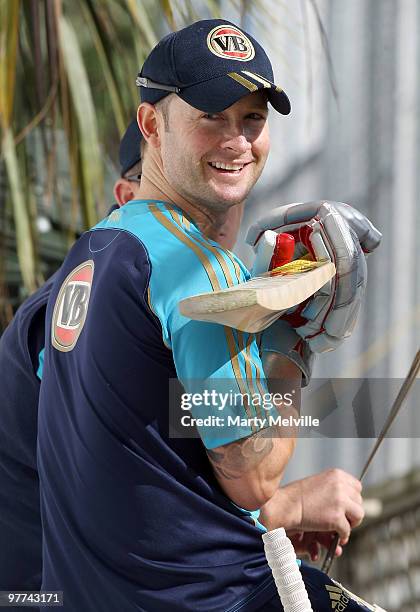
{"points": [[229, 42]]}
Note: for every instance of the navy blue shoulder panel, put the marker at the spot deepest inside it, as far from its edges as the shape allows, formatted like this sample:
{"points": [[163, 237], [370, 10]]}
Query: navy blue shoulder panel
{"points": [[19, 348], [20, 522]]}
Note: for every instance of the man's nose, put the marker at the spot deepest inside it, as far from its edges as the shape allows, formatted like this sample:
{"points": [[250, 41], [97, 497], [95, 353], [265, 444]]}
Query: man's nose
{"points": [[235, 138]]}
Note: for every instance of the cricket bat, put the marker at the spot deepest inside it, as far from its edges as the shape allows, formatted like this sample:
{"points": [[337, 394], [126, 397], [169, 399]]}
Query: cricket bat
{"points": [[281, 558], [253, 305]]}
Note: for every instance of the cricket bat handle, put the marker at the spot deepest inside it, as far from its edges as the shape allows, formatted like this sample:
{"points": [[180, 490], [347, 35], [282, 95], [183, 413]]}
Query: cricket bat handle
{"points": [[281, 558]]}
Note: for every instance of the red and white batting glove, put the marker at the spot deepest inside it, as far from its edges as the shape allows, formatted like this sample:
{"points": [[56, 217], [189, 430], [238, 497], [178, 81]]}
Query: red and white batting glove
{"points": [[331, 231]]}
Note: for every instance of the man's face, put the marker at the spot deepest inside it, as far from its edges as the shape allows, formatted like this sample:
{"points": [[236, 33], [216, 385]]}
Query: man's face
{"points": [[214, 160]]}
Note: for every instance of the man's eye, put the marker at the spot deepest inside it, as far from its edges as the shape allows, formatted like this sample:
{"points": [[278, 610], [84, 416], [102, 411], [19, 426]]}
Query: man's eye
{"points": [[211, 116], [256, 116]]}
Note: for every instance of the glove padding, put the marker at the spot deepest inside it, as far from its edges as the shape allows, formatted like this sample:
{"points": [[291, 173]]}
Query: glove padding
{"points": [[331, 231], [281, 338]]}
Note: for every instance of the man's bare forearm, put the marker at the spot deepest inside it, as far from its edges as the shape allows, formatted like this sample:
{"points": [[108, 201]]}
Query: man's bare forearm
{"points": [[249, 470]]}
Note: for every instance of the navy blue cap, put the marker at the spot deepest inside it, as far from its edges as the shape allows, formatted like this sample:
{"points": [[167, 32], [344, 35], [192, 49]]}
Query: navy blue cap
{"points": [[130, 147], [210, 64]]}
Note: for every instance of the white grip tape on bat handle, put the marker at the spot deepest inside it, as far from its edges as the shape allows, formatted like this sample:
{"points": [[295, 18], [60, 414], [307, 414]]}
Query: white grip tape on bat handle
{"points": [[281, 558]]}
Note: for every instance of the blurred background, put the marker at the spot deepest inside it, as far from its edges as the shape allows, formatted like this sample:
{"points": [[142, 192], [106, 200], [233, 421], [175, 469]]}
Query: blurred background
{"points": [[352, 72]]}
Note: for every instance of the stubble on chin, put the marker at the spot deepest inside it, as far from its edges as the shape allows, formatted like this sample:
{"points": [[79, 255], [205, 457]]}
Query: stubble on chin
{"points": [[198, 188], [219, 197]]}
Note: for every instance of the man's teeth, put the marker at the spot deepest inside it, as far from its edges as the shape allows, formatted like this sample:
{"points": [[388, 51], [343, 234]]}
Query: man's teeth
{"points": [[226, 166]]}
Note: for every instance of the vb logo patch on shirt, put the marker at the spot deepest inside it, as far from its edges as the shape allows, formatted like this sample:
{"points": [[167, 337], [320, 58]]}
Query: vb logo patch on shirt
{"points": [[71, 307], [229, 42]]}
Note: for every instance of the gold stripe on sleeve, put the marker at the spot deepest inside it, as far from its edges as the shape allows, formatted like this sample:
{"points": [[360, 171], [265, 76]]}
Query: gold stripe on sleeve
{"points": [[186, 222], [175, 216], [181, 220], [249, 362], [232, 259], [236, 266], [258, 377], [182, 237], [220, 259], [233, 349], [210, 247]]}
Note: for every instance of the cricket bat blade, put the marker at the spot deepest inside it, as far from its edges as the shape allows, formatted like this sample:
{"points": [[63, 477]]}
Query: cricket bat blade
{"points": [[255, 304]]}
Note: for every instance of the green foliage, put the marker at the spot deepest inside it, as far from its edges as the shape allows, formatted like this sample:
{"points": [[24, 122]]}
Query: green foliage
{"points": [[67, 93]]}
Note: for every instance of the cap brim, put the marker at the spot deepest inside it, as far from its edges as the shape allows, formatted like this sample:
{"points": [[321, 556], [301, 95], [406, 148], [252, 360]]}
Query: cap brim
{"points": [[215, 95]]}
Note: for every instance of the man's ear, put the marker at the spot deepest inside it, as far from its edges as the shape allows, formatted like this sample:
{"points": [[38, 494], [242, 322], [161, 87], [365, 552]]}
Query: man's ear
{"points": [[124, 191], [148, 125]]}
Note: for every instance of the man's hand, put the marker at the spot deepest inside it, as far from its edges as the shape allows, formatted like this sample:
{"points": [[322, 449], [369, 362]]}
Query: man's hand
{"points": [[333, 231], [326, 503]]}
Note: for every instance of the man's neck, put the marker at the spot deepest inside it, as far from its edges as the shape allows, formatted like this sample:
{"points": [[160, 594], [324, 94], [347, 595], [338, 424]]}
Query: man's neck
{"points": [[213, 224]]}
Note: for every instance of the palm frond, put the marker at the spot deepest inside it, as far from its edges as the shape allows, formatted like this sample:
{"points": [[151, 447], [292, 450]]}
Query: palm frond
{"points": [[89, 14], [24, 241], [9, 35], [90, 155], [166, 7], [140, 16]]}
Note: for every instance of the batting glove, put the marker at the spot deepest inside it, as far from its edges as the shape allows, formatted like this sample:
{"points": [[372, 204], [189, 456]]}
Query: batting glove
{"points": [[331, 231], [281, 338]]}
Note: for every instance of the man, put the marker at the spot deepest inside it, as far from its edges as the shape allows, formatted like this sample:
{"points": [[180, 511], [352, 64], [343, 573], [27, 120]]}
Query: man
{"points": [[20, 347], [135, 519]]}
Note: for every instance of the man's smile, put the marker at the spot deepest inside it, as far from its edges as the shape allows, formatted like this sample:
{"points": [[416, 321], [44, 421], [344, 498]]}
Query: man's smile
{"points": [[227, 168]]}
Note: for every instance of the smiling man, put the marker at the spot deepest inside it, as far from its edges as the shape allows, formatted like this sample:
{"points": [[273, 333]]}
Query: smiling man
{"points": [[221, 155], [207, 163], [133, 518]]}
